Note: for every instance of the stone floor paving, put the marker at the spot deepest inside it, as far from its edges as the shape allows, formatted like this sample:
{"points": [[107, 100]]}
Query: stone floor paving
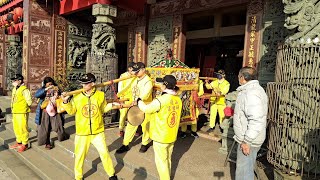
{"points": [[3, 173]]}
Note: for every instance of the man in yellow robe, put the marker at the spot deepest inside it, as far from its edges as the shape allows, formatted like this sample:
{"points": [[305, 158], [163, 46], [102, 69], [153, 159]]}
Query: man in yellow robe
{"points": [[220, 88]]}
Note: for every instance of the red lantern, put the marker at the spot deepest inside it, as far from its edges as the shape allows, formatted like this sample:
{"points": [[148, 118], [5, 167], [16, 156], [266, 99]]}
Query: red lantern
{"points": [[15, 18], [19, 12], [10, 17]]}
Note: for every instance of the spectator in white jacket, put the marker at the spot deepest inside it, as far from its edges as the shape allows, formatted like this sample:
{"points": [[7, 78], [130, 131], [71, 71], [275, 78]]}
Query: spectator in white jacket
{"points": [[250, 120]]}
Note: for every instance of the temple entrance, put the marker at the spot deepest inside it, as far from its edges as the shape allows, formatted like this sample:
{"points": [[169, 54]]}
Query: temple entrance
{"points": [[215, 40], [121, 48], [211, 55]]}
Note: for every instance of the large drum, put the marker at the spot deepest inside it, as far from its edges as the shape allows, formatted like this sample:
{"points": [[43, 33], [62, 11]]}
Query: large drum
{"points": [[135, 116]]}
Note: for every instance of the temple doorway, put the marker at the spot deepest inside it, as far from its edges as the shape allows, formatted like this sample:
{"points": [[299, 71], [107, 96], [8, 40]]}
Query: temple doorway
{"points": [[215, 40], [212, 55]]}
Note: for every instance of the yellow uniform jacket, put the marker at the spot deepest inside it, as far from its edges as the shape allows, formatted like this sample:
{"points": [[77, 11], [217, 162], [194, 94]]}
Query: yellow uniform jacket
{"points": [[142, 88], [21, 100], [223, 87], [124, 87], [88, 112], [166, 111]]}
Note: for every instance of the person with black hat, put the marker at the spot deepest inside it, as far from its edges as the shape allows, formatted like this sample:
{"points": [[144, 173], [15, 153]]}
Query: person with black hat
{"points": [[220, 88], [124, 92], [20, 108], [88, 108], [141, 88], [165, 124]]}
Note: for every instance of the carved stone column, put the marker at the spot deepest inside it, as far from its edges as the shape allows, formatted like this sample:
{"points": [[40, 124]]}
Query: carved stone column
{"points": [[274, 33], [103, 62], [14, 58], [159, 38]]}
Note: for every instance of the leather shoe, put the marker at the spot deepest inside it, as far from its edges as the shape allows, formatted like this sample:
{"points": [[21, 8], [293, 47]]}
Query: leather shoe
{"points": [[143, 148], [122, 149], [114, 177]]}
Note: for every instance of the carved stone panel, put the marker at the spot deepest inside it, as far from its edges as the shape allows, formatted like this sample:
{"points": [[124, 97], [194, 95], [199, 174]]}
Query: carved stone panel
{"points": [[78, 31], [273, 34], [303, 18], [77, 53], [78, 50], [38, 73], [159, 38], [40, 49], [14, 61], [40, 25]]}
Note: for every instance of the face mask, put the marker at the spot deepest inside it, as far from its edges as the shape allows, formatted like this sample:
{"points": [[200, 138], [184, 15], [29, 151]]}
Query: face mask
{"points": [[15, 84], [219, 76]]}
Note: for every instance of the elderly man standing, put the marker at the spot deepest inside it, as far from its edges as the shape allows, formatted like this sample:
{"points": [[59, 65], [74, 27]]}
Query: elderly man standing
{"points": [[249, 122]]}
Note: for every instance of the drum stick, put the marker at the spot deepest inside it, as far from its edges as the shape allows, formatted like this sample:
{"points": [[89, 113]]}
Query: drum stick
{"points": [[99, 85], [209, 78]]}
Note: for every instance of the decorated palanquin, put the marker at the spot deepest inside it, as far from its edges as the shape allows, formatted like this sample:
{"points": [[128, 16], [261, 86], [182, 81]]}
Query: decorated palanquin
{"points": [[187, 81]]}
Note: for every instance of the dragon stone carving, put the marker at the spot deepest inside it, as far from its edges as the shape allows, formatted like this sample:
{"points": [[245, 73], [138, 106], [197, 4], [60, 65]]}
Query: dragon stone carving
{"points": [[78, 52], [303, 17], [14, 61], [103, 39]]}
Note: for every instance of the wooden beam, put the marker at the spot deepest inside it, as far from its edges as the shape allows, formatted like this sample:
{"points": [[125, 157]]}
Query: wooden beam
{"points": [[210, 33], [69, 6]]}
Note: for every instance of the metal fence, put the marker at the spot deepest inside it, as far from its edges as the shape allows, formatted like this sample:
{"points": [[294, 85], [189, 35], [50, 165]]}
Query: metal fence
{"points": [[298, 64], [294, 128]]}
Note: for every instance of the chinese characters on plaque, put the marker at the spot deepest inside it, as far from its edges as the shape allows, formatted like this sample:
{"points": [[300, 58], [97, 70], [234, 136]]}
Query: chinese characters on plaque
{"points": [[252, 40], [60, 51]]}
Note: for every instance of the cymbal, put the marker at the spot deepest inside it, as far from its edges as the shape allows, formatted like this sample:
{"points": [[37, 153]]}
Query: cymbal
{"points": [[135, 116]]}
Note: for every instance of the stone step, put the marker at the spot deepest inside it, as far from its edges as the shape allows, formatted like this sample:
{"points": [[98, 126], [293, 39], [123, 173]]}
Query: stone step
{"points": [[62, 155], [130, 162], [14, 167], [59, 157], [44, 168]]}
